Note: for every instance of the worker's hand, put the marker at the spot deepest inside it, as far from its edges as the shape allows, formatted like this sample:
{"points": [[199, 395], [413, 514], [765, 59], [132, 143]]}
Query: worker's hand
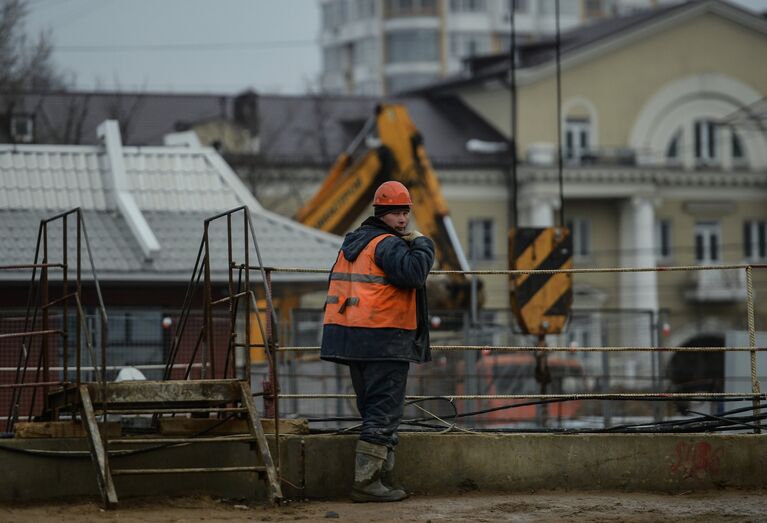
{"points": [[412, 235]]}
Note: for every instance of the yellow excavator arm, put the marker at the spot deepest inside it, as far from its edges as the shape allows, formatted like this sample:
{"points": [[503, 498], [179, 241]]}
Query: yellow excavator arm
{"points": [[401, 156]]}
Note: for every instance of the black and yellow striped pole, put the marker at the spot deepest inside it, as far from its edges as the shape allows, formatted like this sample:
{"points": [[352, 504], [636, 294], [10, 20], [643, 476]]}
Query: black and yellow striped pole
{"points": [[541, 302]]}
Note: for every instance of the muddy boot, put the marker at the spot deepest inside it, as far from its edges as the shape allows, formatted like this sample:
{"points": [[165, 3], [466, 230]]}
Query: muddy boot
{"points": [[387, 473], [369, 461]]}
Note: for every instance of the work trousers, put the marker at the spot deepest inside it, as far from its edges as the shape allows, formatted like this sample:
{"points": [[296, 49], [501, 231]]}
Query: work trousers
{"points": [[380, 390]]}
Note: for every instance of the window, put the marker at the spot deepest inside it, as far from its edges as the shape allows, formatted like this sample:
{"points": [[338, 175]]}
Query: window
{"points": [[580, 228], [755, 240], [328, 16], [549, 7], [412, 46], [365, 52], [583, 331], [331, 58], [411, 8], [342, 12], [672, 151], [365, 9], [137, 338], [334, 14], [594, 8], [705, 141], [367, 87], [707, 242], [467, 6], [738, 151], [520, 6], [480, 239], [22, 128], [663, 239], [577, 144]]}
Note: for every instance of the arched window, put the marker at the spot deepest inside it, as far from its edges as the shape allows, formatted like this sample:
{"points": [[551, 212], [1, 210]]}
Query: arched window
{"points": [[709, 142], [672, 151], [579, 130], [701, 106]]}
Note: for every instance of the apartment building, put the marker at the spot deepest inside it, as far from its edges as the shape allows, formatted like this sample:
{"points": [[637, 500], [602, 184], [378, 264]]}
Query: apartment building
{"points": [[665, 163]]}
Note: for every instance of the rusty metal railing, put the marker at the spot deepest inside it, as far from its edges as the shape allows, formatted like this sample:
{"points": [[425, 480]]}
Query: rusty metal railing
{"points": [[239, 296], [37, 316]]}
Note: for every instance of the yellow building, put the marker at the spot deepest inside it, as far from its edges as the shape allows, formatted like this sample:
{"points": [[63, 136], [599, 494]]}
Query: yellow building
{"points": [[664, 141]]}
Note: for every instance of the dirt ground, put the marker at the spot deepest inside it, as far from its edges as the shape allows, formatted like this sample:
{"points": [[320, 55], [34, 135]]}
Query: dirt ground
{"points": [[698, 507]]}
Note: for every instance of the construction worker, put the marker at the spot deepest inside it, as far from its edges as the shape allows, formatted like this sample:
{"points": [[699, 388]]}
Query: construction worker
{"points": [[376, 323]]}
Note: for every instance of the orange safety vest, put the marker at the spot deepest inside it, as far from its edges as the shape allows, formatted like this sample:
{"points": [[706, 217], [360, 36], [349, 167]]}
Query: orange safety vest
{"points": [[360, 295]]}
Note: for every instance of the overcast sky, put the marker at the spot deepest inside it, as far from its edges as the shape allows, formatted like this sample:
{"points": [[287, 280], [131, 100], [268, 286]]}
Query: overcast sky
{"points": [[219, 46], [184, 45]]}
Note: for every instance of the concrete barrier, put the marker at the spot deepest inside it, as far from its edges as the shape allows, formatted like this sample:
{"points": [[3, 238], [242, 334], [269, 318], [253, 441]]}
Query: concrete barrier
{"points": [[321, 466]]}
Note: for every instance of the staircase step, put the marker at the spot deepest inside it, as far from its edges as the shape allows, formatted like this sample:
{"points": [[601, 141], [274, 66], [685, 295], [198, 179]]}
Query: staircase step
{"points": [[201, 439], [127, 472]]}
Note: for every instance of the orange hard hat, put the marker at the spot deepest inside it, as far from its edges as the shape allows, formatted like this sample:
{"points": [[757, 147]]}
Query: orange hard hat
{"points": [[392, 193]]}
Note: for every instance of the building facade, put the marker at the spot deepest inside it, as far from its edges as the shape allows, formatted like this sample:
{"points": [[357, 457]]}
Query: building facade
{"points": [[374, 48], [665, 163]]}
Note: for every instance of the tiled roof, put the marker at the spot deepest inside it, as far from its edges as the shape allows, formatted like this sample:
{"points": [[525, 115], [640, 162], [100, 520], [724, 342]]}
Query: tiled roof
{"points": [[174, 188], [52, 178], [115, 250]]}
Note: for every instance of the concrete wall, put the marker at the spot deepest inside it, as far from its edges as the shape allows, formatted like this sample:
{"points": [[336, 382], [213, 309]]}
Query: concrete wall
{"points": [[320, 466]]}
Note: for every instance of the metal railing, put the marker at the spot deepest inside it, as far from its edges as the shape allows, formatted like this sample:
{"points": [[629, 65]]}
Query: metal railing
{"points": [[37, 324], [755, 395]]}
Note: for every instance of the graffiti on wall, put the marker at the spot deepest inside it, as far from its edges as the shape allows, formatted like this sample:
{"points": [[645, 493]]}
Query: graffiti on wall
{"points": [[696, 460]]}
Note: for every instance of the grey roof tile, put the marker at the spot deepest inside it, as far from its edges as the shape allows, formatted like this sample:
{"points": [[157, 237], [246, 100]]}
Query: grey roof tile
{"points": [[176, 190]]}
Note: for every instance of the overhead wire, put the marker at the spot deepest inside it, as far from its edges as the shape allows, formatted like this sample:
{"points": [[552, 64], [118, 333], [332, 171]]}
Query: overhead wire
{"points": [[183, 47], [560, 169]]}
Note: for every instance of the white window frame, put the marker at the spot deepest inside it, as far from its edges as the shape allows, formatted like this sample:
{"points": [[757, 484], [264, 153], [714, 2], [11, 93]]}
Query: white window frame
{"points": [[576, 129], [705, 140], [580, 229], [412, 46], [25, 121], [481, 239], [755, 237], [707, 242]]}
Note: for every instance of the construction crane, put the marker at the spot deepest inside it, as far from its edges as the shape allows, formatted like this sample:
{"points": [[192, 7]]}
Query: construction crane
{"points": [[399, 155]]}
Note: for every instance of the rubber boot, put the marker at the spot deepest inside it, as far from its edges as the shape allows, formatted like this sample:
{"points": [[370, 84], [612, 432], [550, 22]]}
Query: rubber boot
{"points": [[369, 461], [387, 473]]}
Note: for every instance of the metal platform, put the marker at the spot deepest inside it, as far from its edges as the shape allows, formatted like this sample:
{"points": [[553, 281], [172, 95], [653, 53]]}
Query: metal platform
{"points": [[197, 397]]}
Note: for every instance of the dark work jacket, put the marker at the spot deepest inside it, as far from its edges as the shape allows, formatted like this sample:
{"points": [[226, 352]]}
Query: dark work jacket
{"points": [[406, 266]]}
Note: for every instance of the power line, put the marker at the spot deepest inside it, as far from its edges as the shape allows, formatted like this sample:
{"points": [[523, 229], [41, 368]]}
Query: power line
{"points": [[183, 47]]}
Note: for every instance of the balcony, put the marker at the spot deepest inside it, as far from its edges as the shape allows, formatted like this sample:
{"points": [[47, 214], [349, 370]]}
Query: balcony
{"points": [[717, 286]]}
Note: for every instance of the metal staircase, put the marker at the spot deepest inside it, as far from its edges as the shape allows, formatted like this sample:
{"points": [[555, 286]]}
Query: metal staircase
{"points": [[196, 397]]}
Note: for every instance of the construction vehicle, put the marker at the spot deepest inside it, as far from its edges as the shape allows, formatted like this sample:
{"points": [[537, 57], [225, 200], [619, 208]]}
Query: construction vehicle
{"points": [[516, 374], [400, 155]]}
